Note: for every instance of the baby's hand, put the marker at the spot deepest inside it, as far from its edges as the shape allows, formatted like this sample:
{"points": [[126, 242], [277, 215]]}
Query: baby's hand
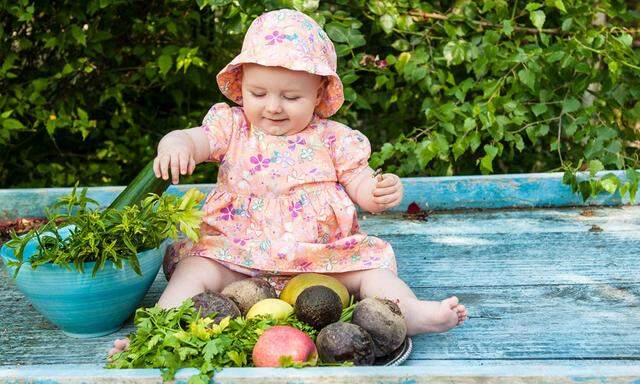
{"points": [[388, 191], [174, 155]]}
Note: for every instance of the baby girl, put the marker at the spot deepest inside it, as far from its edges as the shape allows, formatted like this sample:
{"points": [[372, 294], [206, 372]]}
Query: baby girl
{"points": [[288, 180]]}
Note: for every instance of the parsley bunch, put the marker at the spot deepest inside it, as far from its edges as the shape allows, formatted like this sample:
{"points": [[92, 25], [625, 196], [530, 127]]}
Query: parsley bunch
{"points": [[108, 235], [171, 339]]}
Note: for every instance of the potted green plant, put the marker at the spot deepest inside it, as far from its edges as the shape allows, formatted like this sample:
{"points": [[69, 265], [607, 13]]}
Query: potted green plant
{"points": [[87, 269]]}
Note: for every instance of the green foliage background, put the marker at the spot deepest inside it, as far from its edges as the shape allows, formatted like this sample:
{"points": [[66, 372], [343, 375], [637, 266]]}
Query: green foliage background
{"points": [[88, 88]]}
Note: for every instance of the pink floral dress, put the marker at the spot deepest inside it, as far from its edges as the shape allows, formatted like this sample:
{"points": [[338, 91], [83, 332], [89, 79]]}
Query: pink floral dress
{"points": [[279, 207]]}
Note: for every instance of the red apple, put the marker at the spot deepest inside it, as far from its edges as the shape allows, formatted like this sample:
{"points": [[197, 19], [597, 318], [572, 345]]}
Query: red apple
{"points": [[284, 341]]}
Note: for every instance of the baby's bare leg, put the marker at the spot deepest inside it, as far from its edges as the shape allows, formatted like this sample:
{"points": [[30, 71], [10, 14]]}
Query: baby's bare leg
{"points": [[192, 275], [421, 316]]}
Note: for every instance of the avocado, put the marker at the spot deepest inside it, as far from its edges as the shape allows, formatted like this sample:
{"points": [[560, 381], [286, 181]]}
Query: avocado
{"points": [[383, 320], [208, 302], [318, 306], [340, 342], [302, 281], [245, 293]]}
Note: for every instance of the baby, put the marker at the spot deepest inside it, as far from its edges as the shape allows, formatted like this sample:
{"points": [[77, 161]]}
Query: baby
{"points": [[288, 180]]}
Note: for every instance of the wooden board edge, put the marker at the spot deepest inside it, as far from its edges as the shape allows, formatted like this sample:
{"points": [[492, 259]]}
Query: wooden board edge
{"points": [[534, 190], [435, 372]]}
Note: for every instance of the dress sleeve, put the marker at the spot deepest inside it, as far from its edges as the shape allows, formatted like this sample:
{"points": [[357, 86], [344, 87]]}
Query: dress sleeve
{"points": [[350, 152], [218, 127]]}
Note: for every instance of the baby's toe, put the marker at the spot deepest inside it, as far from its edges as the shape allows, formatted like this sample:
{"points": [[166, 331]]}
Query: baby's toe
{"points": [[121, 344], [451, 302]]}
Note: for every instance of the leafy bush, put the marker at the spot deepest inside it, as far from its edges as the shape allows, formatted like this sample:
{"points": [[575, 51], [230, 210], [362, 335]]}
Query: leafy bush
{"points": [[440, 87]]}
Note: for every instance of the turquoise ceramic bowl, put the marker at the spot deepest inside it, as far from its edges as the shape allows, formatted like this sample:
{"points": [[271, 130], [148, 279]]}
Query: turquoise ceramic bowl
{"points": [[79, 304]]}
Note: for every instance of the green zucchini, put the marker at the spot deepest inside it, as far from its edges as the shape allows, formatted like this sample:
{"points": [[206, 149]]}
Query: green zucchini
{"points": [[144, 183]]}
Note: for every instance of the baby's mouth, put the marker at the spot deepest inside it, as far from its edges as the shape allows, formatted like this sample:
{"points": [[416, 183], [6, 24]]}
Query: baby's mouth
{"points": [[276, 120]]}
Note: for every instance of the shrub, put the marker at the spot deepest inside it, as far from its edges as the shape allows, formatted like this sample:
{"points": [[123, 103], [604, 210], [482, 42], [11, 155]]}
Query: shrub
{"points": [[440, 87]]}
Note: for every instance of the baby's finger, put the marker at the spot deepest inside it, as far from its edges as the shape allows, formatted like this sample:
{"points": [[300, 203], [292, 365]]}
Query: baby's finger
{"points": [[385, 191], [165, 159], [156, 166], [184, 163], [387, 199], [175, 168], [388, 179], [192, 165]]}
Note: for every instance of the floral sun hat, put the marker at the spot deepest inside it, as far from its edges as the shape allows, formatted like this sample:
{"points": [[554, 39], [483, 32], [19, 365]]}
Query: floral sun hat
{"points": [[289, 39]]}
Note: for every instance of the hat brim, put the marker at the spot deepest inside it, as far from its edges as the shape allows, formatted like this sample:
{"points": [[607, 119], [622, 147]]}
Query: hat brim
{"points": [[229, 80]]}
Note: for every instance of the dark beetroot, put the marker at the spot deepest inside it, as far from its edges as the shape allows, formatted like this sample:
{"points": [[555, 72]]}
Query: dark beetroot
{"points": [[340, 342]]}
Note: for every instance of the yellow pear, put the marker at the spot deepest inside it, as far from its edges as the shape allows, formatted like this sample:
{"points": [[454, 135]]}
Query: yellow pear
{"points": [[276, 308]]}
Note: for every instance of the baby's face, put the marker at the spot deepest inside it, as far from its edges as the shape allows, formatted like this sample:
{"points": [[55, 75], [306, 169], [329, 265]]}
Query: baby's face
{"points": [[279, 101]]}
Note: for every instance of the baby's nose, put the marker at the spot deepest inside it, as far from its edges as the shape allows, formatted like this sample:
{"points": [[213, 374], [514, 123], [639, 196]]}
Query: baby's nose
{"points": [[273, 105]]}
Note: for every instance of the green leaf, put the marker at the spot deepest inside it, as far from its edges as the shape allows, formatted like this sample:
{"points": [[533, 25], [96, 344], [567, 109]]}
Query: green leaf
{"points": [[306, 5], [165, 62], [401, 45], [570, 105], [595, 166], [349, 78], [425, 153], [537, 19], [539, 109], [560, 5], [533, 6], [343, 50], [507, 27], [458, 148], [453, 53], [555, 56], [387, 22], [82, 114], [78, 35], [610, 183], [528, 78], [626, 39], [519, 141], [337, 32], [12, 124], [474, 140], [403, 59], [486, 161], [469, 124]]}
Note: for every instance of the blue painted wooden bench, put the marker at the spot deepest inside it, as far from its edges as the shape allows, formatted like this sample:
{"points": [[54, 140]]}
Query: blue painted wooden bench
{"points": [[552, 287]]}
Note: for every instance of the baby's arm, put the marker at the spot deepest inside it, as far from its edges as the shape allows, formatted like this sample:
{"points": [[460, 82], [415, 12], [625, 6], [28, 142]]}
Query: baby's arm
{"points": [[180, 151], [375, 194]]}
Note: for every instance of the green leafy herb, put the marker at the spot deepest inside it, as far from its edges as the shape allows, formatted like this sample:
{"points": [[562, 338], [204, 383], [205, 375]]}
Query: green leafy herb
{"points": [[109, 235]]}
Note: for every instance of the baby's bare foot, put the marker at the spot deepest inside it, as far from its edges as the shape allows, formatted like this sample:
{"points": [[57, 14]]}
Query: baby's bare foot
{"points": [[119, 345], [436, 316]]}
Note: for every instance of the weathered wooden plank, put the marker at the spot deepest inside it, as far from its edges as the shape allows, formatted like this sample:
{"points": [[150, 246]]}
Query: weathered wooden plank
{"points": [[507, 322], [609, 219], [438, 193], [496, 260], [540, 287], [547, 246]]}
